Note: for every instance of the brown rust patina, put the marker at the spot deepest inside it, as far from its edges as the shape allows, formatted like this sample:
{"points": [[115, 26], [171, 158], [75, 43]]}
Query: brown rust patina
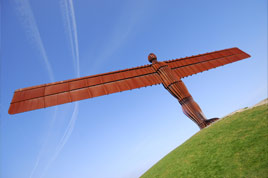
{"points": [[169, 73]]}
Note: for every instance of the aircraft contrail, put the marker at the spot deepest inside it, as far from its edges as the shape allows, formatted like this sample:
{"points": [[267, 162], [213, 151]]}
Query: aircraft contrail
{"points": [[69, 12], [69, 17], [28, 21], [44, 143], [63, 140]]}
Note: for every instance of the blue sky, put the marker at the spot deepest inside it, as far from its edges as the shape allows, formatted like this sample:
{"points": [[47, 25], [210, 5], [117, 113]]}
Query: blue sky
{"points": [[123, 134]]}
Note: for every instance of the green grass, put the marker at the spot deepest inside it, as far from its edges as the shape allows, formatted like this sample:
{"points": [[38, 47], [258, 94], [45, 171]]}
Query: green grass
{"points": [[235, 146]]}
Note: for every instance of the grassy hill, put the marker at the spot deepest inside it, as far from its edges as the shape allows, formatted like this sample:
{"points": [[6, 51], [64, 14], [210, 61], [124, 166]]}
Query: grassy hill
{"points": [[235, 146]]}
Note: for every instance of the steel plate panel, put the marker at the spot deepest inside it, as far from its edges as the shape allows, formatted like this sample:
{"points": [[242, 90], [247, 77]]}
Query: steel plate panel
{"points": [[108, 78], [216, 55], [27, 105], [17, 107], [38, 103], [203, 59], [206, 67], [187, 61], [220, 54], [185, 70], [221, 61], [132, 83], [150, 80], [207, 57], [112, 87], [145, 70], [118, 76], [198, 67], [213, 63], [236, 58], [235, 51], [146, 81], [28, 94], [16, 97], [139, 72], [227, 53], [78, 84], [11, 109], [191, 70], [123, 85], [195, 69], [177, 72], [134, 73], [171, 65], [94, 81], [79, 94], [139, 82], [177, 63], [230, 59], [243, 55], [192, 60], [225, 60], [182, 70], [58, 88], [149, 70], [63, 98], [127, 74], [50, 100], [98, 90], [156, 78], [180, 73]]}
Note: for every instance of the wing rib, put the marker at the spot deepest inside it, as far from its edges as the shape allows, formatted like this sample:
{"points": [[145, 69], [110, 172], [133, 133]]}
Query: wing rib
{"points": [[57, 93]]}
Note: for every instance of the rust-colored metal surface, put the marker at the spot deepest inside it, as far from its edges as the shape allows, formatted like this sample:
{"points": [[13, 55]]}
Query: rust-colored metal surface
{"points": [[57, 93], [185, 67], [176, 87], [169, 73]]}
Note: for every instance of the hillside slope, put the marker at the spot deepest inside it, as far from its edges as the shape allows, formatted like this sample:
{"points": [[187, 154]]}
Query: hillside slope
{"points": [[235, 146]]}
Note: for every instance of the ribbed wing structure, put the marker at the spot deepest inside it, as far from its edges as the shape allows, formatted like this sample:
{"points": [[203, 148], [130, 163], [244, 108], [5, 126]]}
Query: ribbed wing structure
{"points": [[185, 67], [57, 93]]}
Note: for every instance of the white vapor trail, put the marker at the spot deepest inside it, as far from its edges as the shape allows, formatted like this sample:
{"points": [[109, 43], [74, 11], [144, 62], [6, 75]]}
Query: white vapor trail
{"points": [[69, 18], [28, 21], [64, 138], [27, 18], [45, 143]]}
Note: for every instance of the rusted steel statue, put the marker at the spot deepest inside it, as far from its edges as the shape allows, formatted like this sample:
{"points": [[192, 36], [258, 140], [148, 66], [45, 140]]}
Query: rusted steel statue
{"points": [[176, 87], [169, 73]]}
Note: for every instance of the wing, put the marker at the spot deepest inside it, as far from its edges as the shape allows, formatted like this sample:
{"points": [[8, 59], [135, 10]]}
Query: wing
{"points": [[185, 67], [57, 93], [67, 91]]}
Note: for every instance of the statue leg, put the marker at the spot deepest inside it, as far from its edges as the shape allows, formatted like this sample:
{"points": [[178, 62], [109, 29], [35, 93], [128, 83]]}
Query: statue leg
{"points": [[189, 106], [191, 109]]}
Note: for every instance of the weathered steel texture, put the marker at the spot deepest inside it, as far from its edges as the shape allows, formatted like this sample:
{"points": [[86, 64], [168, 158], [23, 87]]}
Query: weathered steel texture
{"points": [[171, 73], [177, 88], [56, 93], [185, 67]]}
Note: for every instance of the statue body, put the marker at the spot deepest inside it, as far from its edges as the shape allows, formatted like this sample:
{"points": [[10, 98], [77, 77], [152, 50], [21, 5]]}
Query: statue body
{"points": [[167, 73], [177, 88]]}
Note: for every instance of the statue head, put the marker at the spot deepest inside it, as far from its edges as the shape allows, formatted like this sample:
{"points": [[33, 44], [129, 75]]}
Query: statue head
{"points": [[152, 58]]}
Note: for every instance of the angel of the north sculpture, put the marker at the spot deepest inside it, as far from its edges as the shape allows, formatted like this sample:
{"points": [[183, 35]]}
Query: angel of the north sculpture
{"points": [[169, 73]]}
